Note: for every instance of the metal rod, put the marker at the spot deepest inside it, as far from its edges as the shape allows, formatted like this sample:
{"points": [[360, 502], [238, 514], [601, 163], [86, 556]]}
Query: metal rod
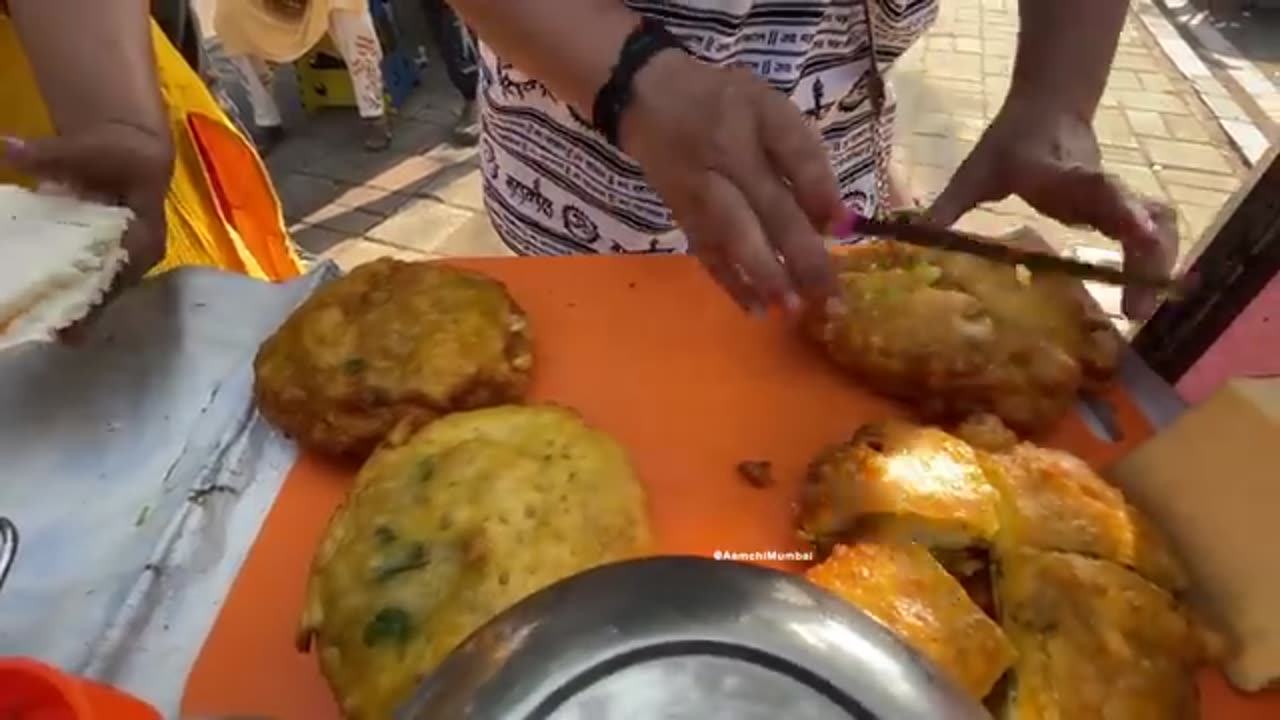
{"points": [[8, 547]]}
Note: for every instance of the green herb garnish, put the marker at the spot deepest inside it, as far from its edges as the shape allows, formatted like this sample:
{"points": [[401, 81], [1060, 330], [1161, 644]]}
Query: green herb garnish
{"points": [[384, 535], [392, 625], [425, 468], [355, 365], [403, 558]]}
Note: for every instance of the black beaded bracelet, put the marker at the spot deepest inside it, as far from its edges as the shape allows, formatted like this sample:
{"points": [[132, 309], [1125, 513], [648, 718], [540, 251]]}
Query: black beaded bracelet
{"points": [[648, 39]]}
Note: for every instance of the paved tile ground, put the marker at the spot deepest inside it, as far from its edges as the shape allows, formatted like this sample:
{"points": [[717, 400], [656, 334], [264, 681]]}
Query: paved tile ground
{"points": [[422, 199], [1235, 90], [1257, 33], [1154, 131]]}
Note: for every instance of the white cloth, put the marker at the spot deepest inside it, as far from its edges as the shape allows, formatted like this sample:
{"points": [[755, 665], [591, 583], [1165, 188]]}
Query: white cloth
{"points": [[554, 186]]}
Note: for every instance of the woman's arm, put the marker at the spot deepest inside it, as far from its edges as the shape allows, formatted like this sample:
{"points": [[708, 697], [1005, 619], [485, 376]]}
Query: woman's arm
{"points": [[1061, 62], [744, 176], [94, 63], [569, 45], [96, 69]]}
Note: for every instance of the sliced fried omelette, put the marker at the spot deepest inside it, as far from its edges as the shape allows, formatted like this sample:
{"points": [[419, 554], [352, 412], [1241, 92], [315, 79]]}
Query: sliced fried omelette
{"points": [[901, 479], [1095, 641], [1052, 500], [449, 526], [904, 588], [1085, 587]]}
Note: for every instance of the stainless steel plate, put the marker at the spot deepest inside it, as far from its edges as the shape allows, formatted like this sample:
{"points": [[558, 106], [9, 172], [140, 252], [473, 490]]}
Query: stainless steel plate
{"points": [[686, 638]]}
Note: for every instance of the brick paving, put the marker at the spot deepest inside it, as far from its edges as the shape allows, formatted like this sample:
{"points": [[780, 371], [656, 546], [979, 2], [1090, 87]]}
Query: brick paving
{"points": [[1154, 131], [420, 199], [423, 199]]}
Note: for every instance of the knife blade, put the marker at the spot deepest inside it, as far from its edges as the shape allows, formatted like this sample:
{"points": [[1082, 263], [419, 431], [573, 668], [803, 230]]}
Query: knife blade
{"points": [[915, 231]]}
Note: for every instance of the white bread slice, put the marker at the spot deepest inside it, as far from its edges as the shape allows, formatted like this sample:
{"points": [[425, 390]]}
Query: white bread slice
{"points": [[1210, 480], [58, 257]]}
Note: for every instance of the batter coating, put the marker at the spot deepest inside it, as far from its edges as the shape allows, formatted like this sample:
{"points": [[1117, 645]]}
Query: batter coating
{"points": [[904, 588], [1095, 640], [904, 480], [391, 342], [1085, 589], [955, 335], [449, 526], [1055, 501]]}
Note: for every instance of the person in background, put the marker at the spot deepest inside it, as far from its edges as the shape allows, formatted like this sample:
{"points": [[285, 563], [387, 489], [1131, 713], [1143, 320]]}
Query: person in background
{"points": [[458, 49], [256, 33], [125, 119], [741, 130]]}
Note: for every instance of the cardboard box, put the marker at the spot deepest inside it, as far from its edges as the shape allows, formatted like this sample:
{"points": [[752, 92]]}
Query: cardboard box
{"points": [[1212, 481]]}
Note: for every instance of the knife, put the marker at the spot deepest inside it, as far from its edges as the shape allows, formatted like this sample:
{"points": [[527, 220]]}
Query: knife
{"points": [[914, 230]]}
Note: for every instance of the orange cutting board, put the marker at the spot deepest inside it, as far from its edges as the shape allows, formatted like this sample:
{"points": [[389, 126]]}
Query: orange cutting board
{"points": [[649, 350]]}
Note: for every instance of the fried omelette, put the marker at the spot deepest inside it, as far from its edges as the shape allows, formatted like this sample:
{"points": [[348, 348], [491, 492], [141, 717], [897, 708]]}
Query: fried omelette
{"points": [[450, 525], [1069, 569], [391, 342], [955, 334], [1055, 501], [1095, 641], [905, 589], [900, 479]]}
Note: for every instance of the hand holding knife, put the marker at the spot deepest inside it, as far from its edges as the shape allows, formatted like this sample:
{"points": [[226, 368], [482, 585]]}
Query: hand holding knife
{"points": [[916, 230]]}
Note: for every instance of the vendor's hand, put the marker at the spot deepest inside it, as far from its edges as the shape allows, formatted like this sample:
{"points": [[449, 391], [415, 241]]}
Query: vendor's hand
{"points": [[1051, 160], [747, 179], [111, 163]]}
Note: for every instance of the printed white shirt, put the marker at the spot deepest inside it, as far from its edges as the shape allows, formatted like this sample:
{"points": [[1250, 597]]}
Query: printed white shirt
{"points": [[554, 186]]}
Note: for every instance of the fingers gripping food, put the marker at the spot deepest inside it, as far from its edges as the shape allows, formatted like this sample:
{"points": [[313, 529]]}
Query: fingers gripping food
{"points": [[956, 335], [449, 526], [392, 342]]}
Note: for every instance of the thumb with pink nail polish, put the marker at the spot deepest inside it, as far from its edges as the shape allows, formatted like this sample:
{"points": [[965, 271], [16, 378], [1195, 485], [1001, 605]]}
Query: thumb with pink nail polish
{"points": [[12, 148]]}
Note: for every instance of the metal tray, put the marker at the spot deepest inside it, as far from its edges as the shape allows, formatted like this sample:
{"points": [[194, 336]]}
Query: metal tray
{"points": [[686, 638]]}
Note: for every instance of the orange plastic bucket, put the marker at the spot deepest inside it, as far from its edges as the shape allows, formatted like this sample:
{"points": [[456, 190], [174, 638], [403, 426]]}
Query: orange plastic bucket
{"points": [[32, 690]]}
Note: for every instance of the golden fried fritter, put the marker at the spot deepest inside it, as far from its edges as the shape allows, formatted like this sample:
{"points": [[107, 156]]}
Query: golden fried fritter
{"points": [[1084, 586], [1095, 641], [903, 480], [1053, 500], [904, 588], [391, 342], [449, 526], [955, 334], [985, 431]]}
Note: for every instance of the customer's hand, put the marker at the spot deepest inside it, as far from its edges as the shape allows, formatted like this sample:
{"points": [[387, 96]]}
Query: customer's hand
{"points": [[1051, 160], [747, 179], [110, 163]]}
